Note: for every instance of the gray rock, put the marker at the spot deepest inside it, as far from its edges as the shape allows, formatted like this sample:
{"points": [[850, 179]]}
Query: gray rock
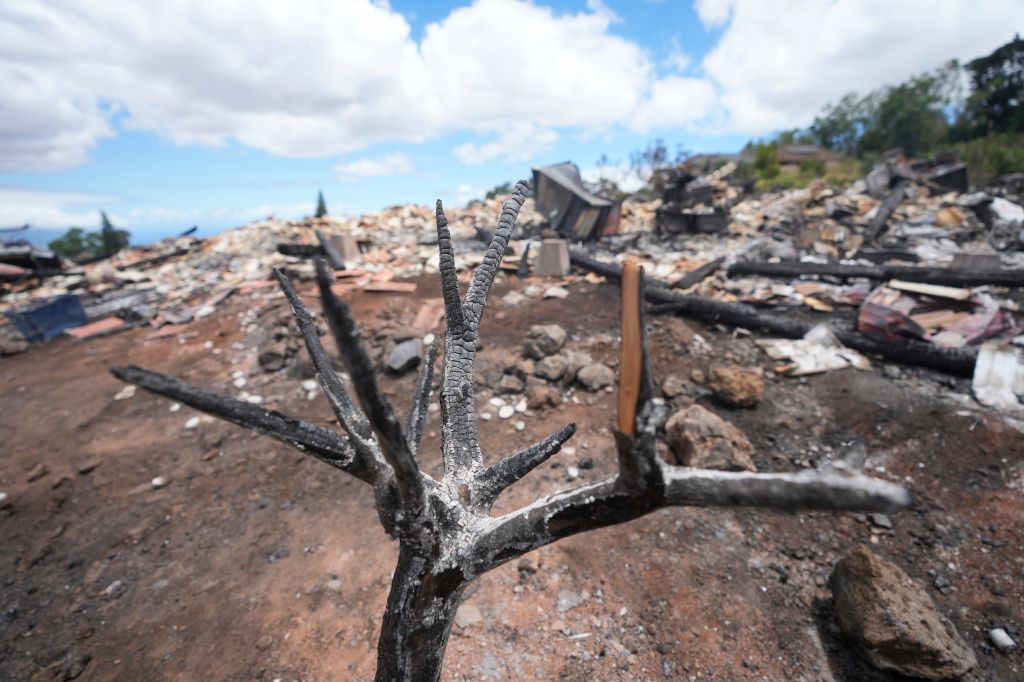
{"points": [[575, 361], [551, 368], [892, 622], [543, 340], [510, 383], [595, 376], [273, 357], [405, 356], [700, 438]]}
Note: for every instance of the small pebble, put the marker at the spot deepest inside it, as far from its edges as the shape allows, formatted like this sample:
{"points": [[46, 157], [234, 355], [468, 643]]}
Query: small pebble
{"points": [[1001, 639], [506, 411], [240, 382], [192, 423], [520, 426], [309, 385], [572, 473], [175, 407], [496, 401], [159, 482], [521, 406], [486, 416]]}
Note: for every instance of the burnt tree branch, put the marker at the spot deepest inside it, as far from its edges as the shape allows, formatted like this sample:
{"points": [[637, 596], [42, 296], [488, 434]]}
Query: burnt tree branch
{"points": [[447, 536]]}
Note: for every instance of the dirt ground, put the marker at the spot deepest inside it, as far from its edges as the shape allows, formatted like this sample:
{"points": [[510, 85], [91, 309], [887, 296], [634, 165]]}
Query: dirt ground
{"points": [[254, 562]]}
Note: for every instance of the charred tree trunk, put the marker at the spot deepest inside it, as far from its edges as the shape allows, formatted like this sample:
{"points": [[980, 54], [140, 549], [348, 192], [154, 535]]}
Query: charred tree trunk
{"points": [[446, 532], [421, 609]]}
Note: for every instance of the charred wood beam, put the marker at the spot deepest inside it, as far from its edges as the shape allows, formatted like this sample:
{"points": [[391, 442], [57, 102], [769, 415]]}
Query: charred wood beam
{"points": [[698, 275], [959, 361], [909, 273], [300, 250], [879, 223]]}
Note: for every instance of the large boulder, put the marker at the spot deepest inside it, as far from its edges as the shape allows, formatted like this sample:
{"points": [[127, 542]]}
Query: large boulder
{"points": [[892, 622], [737, 386], [701, 439], [544, 340]]}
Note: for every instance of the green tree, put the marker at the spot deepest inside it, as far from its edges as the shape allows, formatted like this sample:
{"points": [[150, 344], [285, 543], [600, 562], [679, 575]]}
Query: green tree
{"points": [[76, 242], [766, 160], [321, 205], [112, 240], [840, 125], [996, 102]]}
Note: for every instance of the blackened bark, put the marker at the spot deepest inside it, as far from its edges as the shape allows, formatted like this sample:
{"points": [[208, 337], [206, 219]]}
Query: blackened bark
{"points": [[954, 277], [421, 609]]}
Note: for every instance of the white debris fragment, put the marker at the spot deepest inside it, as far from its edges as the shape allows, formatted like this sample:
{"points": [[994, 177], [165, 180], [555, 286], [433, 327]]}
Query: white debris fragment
{"points": [[506, 411], [998, 379], [126, 392], [159, 482], [192, 423], [556, 292], [175, 407]]}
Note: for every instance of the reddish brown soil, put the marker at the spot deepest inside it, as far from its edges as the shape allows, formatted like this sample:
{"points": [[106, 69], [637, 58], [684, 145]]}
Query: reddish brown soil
{"points": [[257, 563]]}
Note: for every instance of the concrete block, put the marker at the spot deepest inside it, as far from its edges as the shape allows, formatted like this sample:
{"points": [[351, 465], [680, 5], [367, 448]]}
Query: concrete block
{"points": [[553, 259], [347, 247]]}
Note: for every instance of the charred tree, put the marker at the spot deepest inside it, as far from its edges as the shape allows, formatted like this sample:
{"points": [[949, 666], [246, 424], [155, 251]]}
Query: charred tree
{"points": [[447, 535]]}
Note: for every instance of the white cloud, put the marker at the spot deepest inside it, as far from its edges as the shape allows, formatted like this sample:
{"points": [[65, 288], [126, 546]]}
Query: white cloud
{"points": [[391, 164], [777, 63], [673, 102], [305, 78], [314, 78], [713, 13], [50, 209], [466, 193], [677, 59], [519, 142], [623, 176]]}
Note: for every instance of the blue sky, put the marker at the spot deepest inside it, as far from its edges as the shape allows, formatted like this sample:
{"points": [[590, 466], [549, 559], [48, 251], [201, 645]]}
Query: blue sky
{"points": [[182, 113]]}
